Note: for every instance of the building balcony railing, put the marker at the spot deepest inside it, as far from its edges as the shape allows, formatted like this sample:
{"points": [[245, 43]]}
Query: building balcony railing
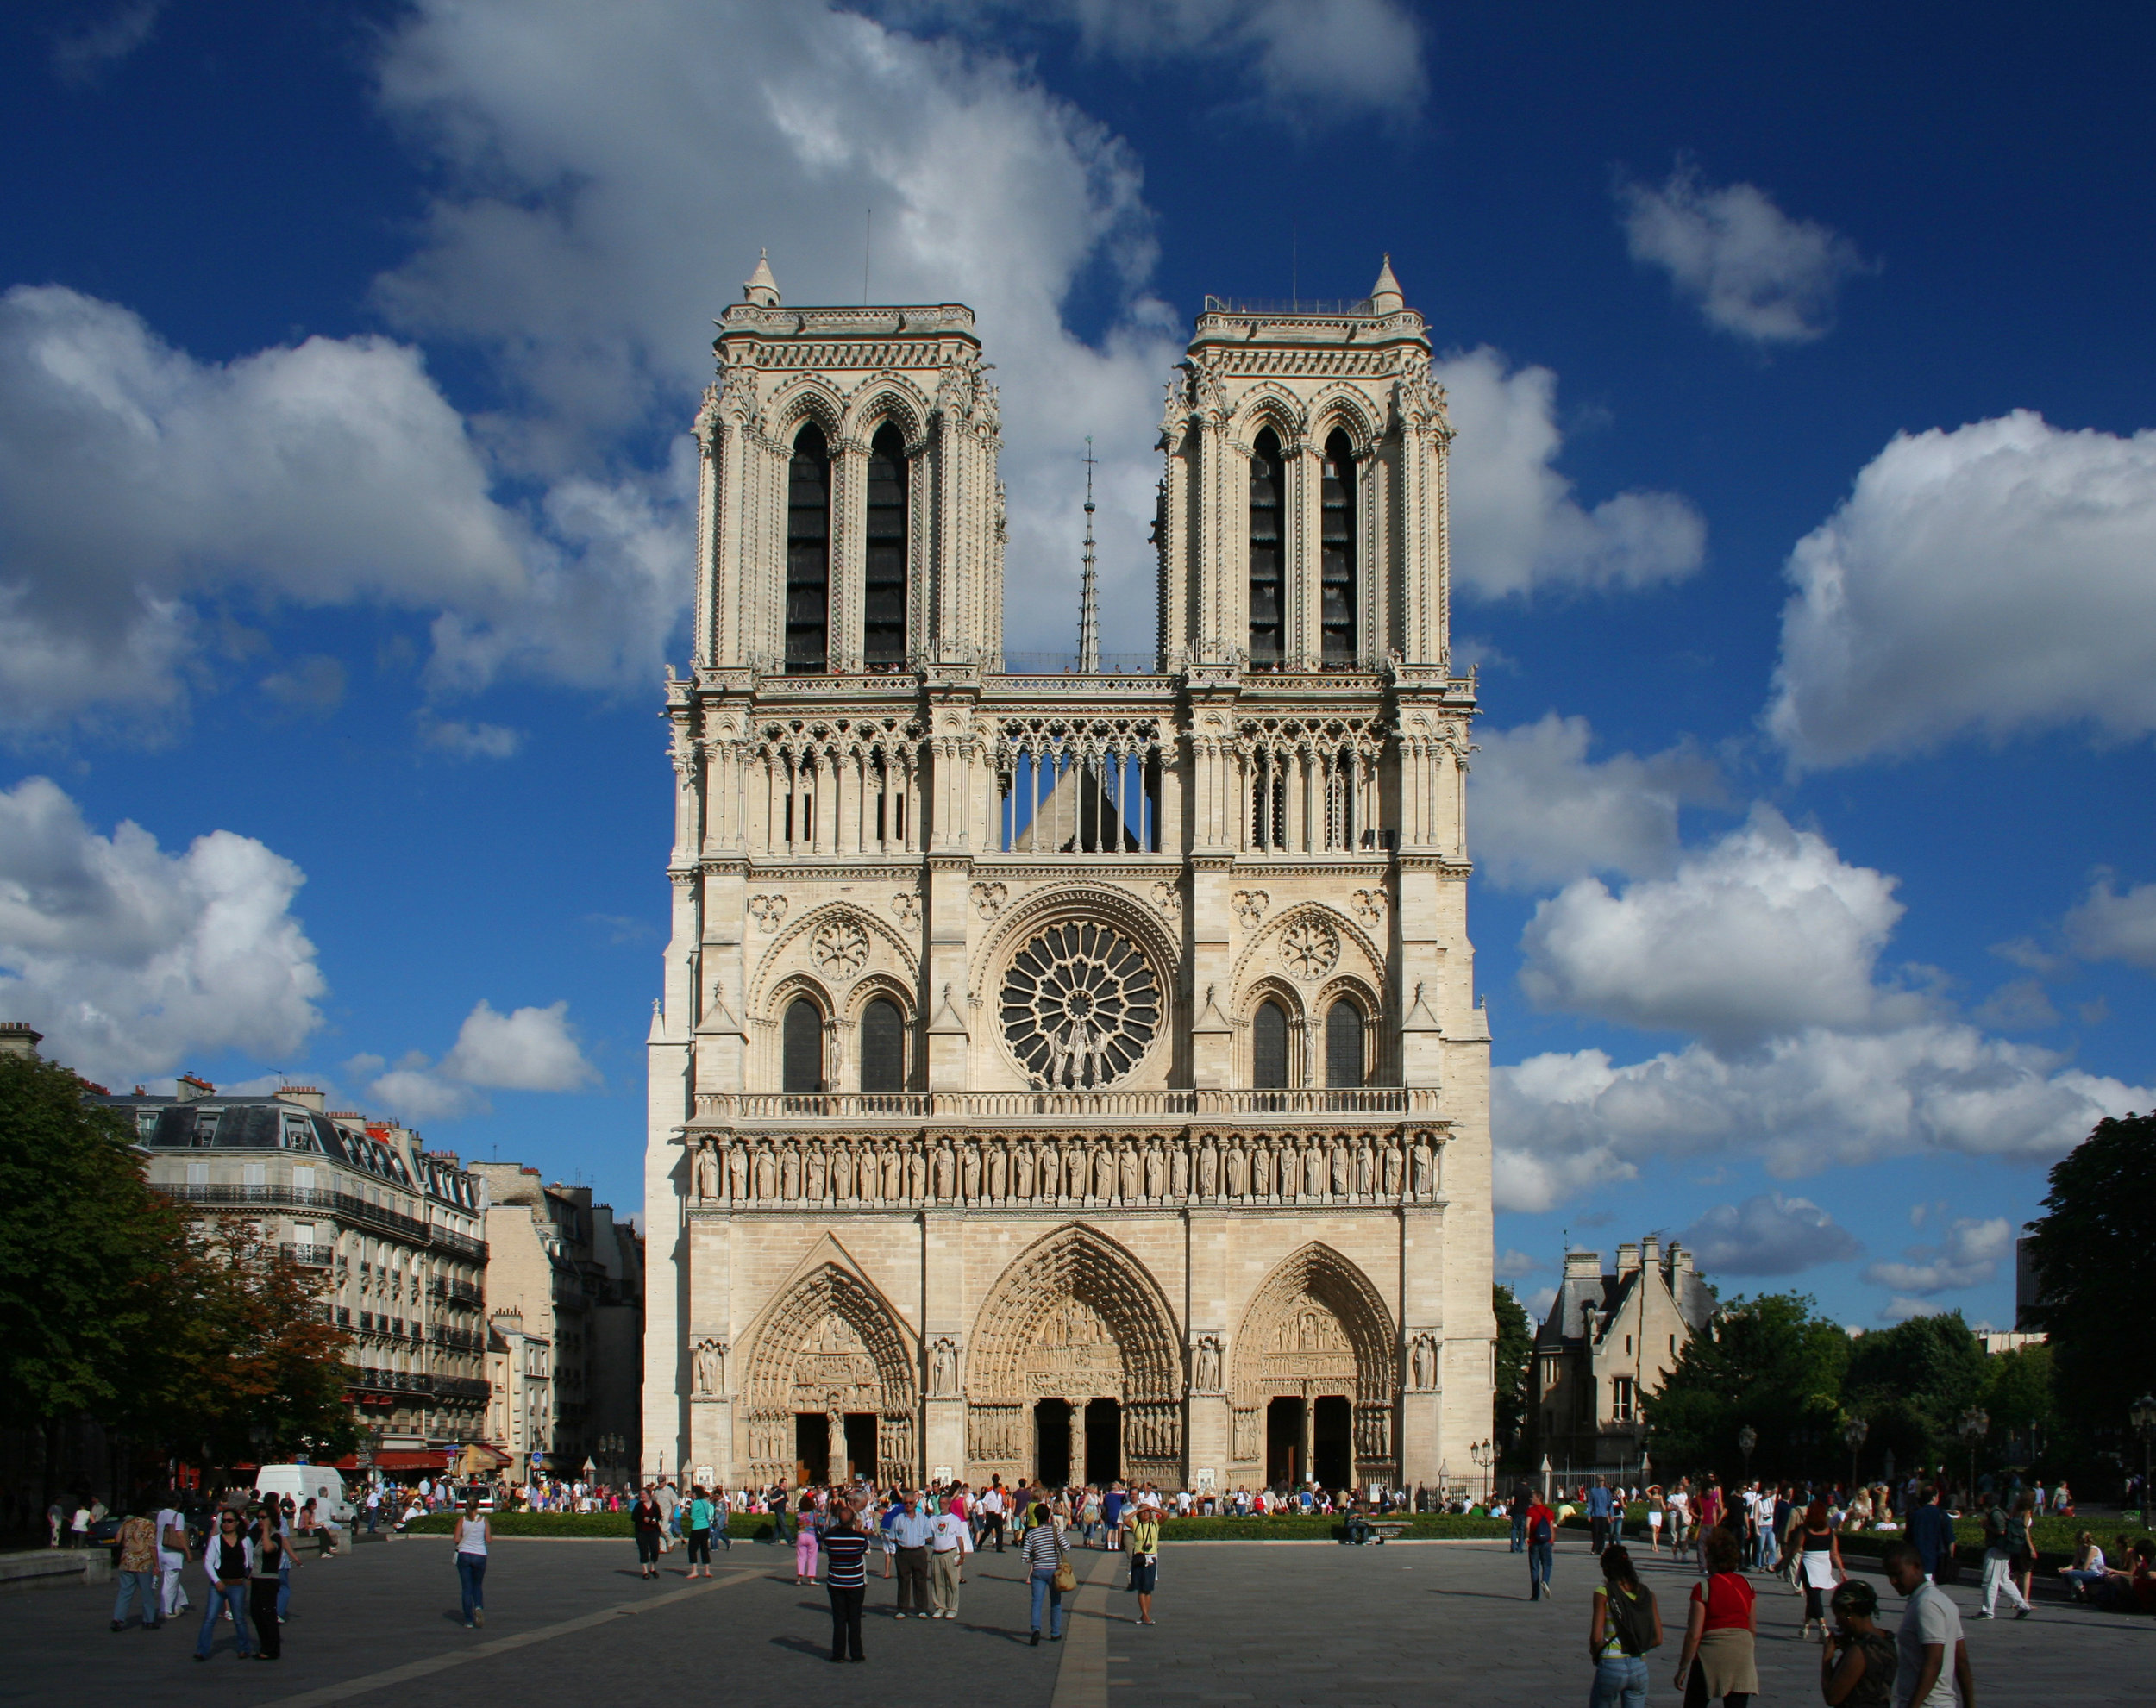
{"points": [[789, 1108], [387, 1381], [344, 1206], [457, 1293], [314, 1256], [468, 1389]]}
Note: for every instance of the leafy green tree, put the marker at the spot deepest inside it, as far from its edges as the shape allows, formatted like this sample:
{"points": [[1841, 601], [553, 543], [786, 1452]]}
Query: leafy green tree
{"points": [[1769, 1363], [1911, 1382], [2020, 1400], [85, 1249], [1516, 1351], [2090, 1247]]}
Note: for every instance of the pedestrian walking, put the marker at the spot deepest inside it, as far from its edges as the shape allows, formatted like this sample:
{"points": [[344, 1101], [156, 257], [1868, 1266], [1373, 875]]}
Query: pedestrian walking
{"points": [[229, 1561], [990, 1508], [1522, 1498], [950, 1540], [1144, 1539], [138, 1572], [1931, 1656], [846, 1580], [171, 1557], [1857, 1667], [2005, 1533], [646, 1521], [698, 1527], [473, 1532], [1542, 1540], [1658, 1512], [1719, 1629], [266, 1577], [1931, 1531], [1821, 1552], [1623, 1625], [1598, 1509], [1048, 1569], [721, 1518]]}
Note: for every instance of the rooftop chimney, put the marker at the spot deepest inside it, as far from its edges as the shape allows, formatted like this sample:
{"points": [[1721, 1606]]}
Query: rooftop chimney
{"points": [[1680, 1259], [18, 1038], [1583, 1266], [190, 1088], [1651, 1251], [307, 1097], [1628, 1257]]}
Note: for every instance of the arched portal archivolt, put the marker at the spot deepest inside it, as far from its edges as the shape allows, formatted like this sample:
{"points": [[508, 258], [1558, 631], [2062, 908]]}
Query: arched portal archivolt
{"points": [[1075, 1316], [1318, 1327], [829, 1343]]}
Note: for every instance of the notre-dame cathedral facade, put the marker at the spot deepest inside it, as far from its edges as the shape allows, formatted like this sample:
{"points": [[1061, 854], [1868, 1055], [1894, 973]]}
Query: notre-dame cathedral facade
{"points": [[1069, 1074]]}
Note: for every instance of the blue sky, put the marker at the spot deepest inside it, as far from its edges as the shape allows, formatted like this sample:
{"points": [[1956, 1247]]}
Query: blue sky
{"points": [[1803, 533]]}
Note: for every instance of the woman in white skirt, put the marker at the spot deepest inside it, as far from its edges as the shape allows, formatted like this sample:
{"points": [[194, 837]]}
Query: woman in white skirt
{"points": [[1658, 1509], [1820, 1551]]}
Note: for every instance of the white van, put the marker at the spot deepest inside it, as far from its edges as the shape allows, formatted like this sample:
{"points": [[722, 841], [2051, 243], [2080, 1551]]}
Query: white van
{"points": [[321, 1484]]}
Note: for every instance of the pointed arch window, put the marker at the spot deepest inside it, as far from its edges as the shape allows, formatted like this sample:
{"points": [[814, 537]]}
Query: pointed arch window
{"points": [[1267, 549], [1269, 1046], [883, 592], [1337, 553], [801, 1049], [1343, 1046], [882, 1047], [808, 554]]}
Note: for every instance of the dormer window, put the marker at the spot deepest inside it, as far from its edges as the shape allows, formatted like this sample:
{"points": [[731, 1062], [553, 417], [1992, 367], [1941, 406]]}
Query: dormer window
{"points": [[1267, 549]]}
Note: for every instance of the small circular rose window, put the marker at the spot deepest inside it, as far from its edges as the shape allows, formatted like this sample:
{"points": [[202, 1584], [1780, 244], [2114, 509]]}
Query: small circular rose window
{"points": [[1081, 1006]]}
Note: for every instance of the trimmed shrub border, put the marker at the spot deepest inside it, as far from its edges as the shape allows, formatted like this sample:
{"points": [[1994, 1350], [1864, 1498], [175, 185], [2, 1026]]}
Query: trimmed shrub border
{"points": [[757, 1527], [2054, 1539]]}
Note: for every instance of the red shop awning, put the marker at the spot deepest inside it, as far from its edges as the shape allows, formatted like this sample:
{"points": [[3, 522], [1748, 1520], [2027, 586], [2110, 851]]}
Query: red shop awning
{"points": [[393, 1460]]}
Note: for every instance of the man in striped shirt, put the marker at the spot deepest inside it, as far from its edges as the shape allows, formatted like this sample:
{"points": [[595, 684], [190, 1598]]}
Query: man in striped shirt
{"points": [[846, 1576]]}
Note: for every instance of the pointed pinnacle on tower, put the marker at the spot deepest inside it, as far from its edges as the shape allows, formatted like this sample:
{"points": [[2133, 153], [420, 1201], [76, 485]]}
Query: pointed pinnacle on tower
{"points": [[1088, 593], [761, 289], [1385, 297]]}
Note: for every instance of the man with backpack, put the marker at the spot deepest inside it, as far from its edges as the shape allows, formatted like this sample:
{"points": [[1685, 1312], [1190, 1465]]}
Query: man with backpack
{"points": [[1542, 1537]]}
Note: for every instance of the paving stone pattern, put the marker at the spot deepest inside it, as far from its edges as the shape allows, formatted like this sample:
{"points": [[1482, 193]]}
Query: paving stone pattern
{"points": [[571, 1622]]}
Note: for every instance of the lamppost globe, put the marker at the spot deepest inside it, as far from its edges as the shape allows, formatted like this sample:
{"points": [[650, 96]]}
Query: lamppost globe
{"points": [[1976, 1423], [1854, 1433]]}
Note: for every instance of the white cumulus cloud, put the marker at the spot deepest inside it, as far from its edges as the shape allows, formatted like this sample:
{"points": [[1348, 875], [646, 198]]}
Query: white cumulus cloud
{"points": [[1766, 931], [128, 958], [1541, 812], [1751, 270], [1993, 578], [528, 1049], [1565, 1121], [1516, 525], [1969, 1256], [2111, 926], [1768, 1234]]}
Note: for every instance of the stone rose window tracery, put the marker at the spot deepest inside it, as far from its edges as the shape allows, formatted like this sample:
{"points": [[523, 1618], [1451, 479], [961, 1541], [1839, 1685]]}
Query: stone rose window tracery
{"points": [[1310, 948], [1081, 1006], [840, 946]]}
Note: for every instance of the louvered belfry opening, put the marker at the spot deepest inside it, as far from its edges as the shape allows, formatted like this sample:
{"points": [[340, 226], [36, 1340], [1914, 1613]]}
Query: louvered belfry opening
{"points": [[808, 555], [1268, 544], [883, 590], [1336, 554]]}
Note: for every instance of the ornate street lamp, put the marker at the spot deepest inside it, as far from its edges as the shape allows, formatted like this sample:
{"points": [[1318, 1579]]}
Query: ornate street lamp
{"points": [[1853, 1432], [1747, 1438], [1484, 1454], [1976, 1423], [2144, 1415]]}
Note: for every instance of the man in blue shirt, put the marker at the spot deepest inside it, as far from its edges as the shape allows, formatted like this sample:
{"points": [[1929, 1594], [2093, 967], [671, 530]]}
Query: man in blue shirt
{"points": [[1931, 1532], [1598, 1508], [1112, 1514], [912, 1531]]}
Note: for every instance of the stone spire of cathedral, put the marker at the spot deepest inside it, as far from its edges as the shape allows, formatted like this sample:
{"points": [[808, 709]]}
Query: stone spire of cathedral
{"points": [[762, 288], [1385, 297], [1089, 591]]}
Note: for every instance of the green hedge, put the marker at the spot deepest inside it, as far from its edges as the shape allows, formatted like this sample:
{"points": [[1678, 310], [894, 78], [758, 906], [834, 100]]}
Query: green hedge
{"points": [[757, 1527], [2053, 1537]]}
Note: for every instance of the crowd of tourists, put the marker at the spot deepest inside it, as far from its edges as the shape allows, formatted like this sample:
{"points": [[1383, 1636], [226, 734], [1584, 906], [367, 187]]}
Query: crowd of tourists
{"points": [[1794, 1533]]}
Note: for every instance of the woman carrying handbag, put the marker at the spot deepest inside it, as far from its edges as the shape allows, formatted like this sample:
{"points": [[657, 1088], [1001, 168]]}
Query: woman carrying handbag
{"points": [[1048, 1566]]}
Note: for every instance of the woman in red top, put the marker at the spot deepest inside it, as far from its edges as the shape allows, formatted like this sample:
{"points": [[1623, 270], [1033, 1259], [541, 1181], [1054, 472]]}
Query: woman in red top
{"points": [[1717, 1660]]}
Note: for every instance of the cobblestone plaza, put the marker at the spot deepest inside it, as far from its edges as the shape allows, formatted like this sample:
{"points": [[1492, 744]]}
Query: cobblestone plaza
{"points": [[1240, 1623]]}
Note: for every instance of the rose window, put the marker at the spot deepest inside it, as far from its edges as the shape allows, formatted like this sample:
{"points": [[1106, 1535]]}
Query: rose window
{"points": [[840, 946], [1309, 947], [1081, 1006]]}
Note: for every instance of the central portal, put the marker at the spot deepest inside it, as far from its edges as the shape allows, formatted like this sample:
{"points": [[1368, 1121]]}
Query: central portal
{"points": [[1103, 1441], [1051, 1442], [861, 1445]]}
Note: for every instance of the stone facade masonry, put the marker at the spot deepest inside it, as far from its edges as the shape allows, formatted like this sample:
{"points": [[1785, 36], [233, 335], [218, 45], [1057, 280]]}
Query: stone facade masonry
{"points": [[1059, 1073]]}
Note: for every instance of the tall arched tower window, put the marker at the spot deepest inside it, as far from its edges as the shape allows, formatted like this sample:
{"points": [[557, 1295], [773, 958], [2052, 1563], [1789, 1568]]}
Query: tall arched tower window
{"points": [[1337, 558], [801, 1049], [1268, 554], [883, 602], [1343, 1046], [882, 1047], [1269, 1046], [808, 554]]}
